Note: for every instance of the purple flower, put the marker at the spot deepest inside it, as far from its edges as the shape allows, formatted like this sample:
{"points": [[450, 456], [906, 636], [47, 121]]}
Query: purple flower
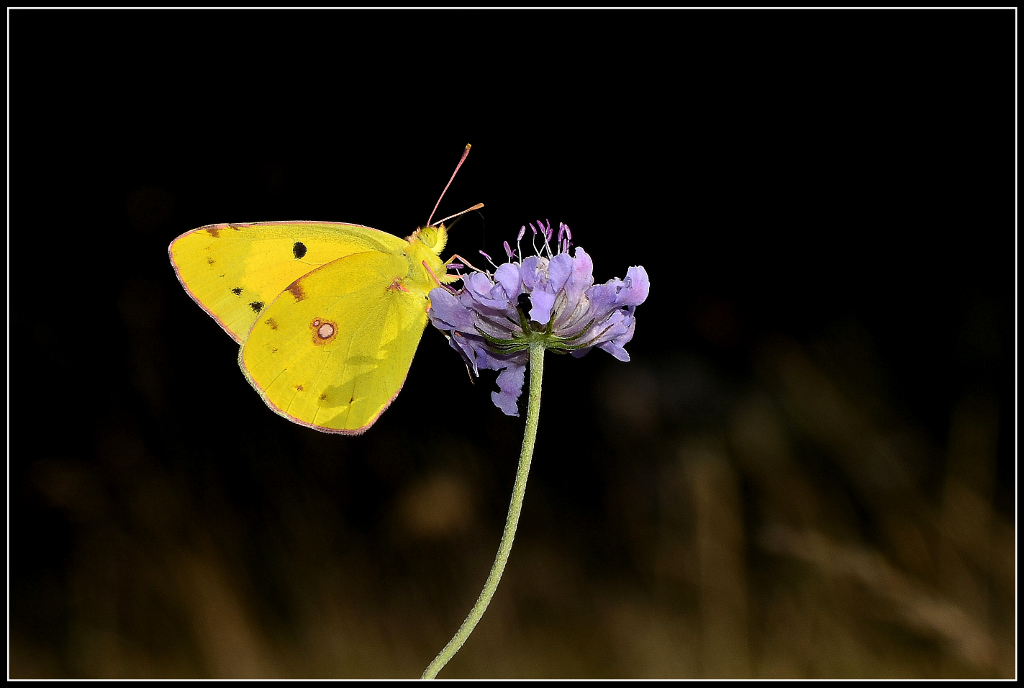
{"points": [[549, 297]]}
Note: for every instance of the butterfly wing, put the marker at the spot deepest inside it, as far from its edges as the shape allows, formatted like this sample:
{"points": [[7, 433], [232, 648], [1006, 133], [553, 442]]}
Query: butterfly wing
{"points": [[234, 270], [333, 350]]}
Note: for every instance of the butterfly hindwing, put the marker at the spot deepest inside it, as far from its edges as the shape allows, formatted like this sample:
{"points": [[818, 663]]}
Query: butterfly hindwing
{"points": [[333, 350]]}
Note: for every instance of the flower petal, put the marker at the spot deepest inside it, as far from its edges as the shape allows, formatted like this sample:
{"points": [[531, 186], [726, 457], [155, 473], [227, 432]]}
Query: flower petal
{"points": [[447, 309], [510, 382], [636, 288], [615, 350], [542, 302], [507, 275], [559, 271]]}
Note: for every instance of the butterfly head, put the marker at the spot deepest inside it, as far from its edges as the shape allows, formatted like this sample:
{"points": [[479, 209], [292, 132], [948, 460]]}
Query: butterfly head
{"points": [[428, 269], [431, 236]]}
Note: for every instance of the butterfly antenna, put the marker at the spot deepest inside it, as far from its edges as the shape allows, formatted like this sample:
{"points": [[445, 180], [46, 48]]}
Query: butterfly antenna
{"points": [[478, 206], [461, 160]]}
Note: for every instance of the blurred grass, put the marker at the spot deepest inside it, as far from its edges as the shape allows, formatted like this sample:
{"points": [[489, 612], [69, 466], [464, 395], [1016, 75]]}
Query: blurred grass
{"points": [[784, 524]]}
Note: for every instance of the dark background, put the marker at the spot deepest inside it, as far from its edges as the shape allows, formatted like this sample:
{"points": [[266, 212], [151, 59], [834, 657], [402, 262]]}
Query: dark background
{"points": [[806, 470]]}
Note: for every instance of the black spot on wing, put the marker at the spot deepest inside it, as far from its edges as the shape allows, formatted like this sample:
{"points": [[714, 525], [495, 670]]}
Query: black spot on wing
{"points": [[299, 249], [237, 291], [256, 306]]}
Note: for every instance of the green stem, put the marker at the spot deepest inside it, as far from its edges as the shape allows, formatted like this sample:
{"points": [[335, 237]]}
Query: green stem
{"points": [[491, 584]]}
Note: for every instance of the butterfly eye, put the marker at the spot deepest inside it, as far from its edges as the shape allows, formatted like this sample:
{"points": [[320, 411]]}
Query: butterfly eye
{"points": [[428, 236]]}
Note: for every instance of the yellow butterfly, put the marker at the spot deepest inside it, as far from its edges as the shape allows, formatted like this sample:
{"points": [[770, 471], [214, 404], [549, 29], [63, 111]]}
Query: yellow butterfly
{"points": [[328, 315]]}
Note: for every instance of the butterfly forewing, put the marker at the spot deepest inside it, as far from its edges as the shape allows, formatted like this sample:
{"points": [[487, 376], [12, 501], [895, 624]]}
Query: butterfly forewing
{"points": [[233, 271]]}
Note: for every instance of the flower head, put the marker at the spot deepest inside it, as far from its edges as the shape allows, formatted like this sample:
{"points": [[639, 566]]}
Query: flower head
{"points": [[548, 297]]}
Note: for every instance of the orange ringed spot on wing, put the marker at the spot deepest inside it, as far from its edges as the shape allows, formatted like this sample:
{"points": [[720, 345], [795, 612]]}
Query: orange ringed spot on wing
{"points": [[397, 285], [323, 330]]}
